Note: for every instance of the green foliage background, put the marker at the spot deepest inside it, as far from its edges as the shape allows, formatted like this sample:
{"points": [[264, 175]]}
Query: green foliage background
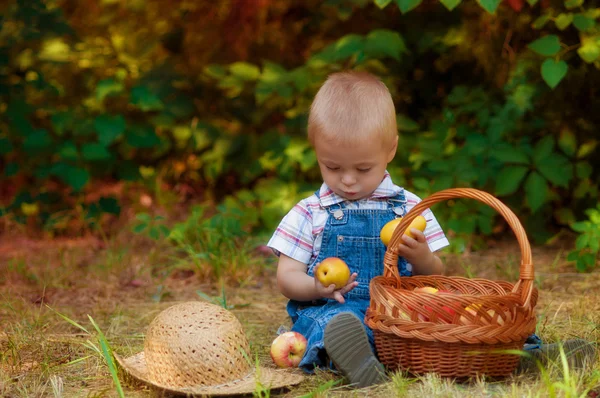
{"points": [[496, 95]]}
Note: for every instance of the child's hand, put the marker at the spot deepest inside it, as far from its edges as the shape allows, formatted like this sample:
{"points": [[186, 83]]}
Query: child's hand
{"points": [[331, 292], [416, 251]]}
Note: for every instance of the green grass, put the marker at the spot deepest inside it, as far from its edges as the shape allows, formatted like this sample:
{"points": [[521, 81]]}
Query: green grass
{"points": [[65, 307]]}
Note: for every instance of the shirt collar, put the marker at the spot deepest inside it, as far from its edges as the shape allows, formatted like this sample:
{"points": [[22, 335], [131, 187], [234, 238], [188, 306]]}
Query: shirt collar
{"points": [[385, 189]]}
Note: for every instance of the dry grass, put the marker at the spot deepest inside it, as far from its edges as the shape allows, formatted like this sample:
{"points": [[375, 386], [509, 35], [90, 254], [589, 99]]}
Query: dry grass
{"points": [[123, 283]]}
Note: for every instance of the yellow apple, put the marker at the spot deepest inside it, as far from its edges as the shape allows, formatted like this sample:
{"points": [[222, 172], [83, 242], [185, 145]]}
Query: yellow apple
{"points": [[473, 310], [388, 229], [333, 271], [492, 313], [288, 349], [426, 289]]}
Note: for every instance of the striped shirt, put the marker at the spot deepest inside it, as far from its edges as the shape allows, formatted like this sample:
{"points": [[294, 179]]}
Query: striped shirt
{"points": [[300, 233]]}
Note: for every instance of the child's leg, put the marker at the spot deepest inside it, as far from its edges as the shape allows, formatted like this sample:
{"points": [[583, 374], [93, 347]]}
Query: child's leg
{"points": [[579, 353], [348, 347]]}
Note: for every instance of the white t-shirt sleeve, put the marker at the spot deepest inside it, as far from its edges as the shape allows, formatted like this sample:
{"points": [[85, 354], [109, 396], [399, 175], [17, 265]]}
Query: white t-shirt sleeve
{"points": [[436, 239], [293, 237]]}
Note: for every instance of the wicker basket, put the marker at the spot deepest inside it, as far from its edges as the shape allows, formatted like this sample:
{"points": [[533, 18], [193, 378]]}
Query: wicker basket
{"points": [[462, 332]]}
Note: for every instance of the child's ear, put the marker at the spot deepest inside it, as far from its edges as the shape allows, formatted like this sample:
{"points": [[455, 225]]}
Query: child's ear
{"points": [[393, 150]]}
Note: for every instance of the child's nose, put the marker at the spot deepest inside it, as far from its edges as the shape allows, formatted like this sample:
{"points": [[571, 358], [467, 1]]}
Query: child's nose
{"points": [[348, 179]]}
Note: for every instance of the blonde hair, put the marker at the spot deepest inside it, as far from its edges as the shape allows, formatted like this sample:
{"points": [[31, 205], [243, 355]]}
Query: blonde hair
{"points": [[351, 107]]}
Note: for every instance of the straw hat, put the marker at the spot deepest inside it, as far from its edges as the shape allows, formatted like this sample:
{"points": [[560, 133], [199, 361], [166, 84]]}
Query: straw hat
{"points": [[197, 348]]}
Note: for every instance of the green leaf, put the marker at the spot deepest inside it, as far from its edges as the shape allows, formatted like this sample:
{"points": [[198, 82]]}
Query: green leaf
{"points": [[5, 146], [382, 42], [563, 21], [164, 230], [586, 148], [37, 141], [215, 71], [509, 179], [589, 50], [68, 151], [75, 177], [583, 170], [450, 4], [536, 191], [543, 148], [540, 21], [489, 5], [144, 217], [109, 128], [553, 72], [573, 255], [382, 3], [273, 73], [570, 4], [109, 205], [83, 127], [55, 50], [108, 87], [245, 71], [301, 78], [583, 23], [94, 152], [146, 100], [154, 233], [582, 242], [407, 5], [556, 169], [405, 123], [139, 228], [532, 2], [61, 122], [567, 142], [348, 46], [142, 137], [546, 46], [508, 154], [522, 97]]}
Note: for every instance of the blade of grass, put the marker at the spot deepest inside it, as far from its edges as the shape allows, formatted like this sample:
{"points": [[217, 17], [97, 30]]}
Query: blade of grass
{"points": [[66, 318], [108, 356]]}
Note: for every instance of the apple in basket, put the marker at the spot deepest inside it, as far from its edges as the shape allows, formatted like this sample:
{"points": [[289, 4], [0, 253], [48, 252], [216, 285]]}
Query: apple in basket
{"points": [[433, 290], [472, 309], [288, 349], [333, 271]]}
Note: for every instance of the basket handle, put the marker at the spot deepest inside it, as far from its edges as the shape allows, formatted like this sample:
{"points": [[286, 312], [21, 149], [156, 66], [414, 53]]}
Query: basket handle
{"points": [[526, 270]]}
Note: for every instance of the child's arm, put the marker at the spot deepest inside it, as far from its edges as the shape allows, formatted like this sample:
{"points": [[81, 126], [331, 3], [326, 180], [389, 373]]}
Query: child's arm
{"points": [[416, 251], [294, 283]]}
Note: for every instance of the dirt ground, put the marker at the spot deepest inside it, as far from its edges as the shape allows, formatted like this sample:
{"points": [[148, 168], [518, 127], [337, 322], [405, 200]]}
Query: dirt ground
{"points": [[123, 283]]}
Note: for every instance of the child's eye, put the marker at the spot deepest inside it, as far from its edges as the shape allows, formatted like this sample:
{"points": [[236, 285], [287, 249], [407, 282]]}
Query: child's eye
{"points": [[332, 168], [364, 170]]}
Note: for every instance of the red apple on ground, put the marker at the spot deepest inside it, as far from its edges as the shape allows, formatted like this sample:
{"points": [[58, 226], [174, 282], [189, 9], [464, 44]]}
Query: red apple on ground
{"points": [[288, 349], [333, 271]]}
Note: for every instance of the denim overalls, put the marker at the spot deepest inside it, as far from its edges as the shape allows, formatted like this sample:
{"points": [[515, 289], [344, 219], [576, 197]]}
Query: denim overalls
{"points": [[352, 235]]}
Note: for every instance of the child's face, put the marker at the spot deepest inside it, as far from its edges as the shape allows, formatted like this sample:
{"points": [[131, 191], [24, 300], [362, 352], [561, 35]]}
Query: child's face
{"points": [[353, 172]]}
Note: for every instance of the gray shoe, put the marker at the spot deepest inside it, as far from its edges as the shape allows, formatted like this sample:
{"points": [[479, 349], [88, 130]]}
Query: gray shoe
{"points": [[347, 345], [579, 353]]}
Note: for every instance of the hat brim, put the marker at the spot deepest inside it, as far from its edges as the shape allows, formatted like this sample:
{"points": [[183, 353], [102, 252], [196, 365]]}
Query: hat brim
{"points": [[268, 378]]}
